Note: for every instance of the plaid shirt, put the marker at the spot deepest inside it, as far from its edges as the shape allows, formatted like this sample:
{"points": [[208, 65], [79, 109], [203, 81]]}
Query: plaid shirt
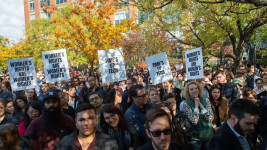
{"points": [[229, 91]]}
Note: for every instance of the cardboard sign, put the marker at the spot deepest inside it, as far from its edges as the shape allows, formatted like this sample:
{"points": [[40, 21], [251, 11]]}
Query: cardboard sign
{"points": [[159, 68], [194, 64], [112, 67], [56, 66], [21, 73]]}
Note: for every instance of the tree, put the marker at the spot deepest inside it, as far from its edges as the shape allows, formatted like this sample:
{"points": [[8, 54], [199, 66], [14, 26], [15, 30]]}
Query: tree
{"points": [[88, 27], [211, 27]]}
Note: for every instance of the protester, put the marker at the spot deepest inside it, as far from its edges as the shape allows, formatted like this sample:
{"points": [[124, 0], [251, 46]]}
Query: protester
{"points": [[159, 130], [243, 115], [51, 126], [153, 95], [86, 136], [199, 112], [95, 99], [44, 90], [114, 97], [219, 105], [5, 94], [74, 100], [259, 86], [32, 111], [31, 95], [11, 140], [113, 124], [64, 99], [4, 118], [126, 101], [135, 114]]}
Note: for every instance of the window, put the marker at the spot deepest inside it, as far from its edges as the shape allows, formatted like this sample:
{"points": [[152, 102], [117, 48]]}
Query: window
{"points": [[61, 1], [41, 1], [32, 16], [121, 16], [31, 4], [45, 15]]}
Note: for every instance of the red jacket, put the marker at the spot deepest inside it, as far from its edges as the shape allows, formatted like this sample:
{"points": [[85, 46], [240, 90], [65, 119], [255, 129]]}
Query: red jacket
{"points": [[46, 135]]}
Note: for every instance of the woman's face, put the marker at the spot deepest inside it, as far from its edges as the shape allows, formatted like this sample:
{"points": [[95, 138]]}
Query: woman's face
{"points": [[118, 97], [172, 103], [111, 119], [154, 97], [251, 98], [82, 85], [20, 103], [193, 91], [33, 113], [215, 93], [2, 110], [30, 92], [10, 108], [166, 85]]}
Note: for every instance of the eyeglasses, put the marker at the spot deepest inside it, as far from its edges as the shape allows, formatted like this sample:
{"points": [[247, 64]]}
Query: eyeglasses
{"points": [[144, 95], [158, 133], [112, 116]]}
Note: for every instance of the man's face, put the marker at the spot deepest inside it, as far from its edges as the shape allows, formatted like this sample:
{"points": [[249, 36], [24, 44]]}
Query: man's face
{"points": [[63, 98], [76, 82], [221, 78], [51, 104], [162, 142], [92, 81], [95, 100], [246, 124], [86, 122], [259, 84], [45, 88], [141, 98], [252, 68], [242, 69], [129, 84], [52, 85]]}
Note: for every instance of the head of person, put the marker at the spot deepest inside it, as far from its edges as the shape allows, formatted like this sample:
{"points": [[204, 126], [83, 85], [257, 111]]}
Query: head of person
{"points": [[239, 84], [130, 82], [86, 119], [241, 77], [31, 94], [215, 92], [10, 109], [167, 84], [221, 77], [51, 109], [112, 117], [21, 102], [242, 69], [174, 73], [114, 97], [81, 78], [82, 84], [72, 90], [164, 105], [95, 99], [153, 95], [170, 99], [75, 81], [159, 128], [243, 115], [6, 86], [9, 137], [92, 81], [264, 78], [192, 90], [64, 98], [252, 68], [2, 108], [229, 76], [249, 94], [259, 83], [138, 95], [32, 111], [45, 87]]}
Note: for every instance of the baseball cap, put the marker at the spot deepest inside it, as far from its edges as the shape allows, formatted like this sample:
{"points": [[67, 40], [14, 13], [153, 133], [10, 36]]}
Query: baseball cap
{"points": [[238, 81], [53, 95]]}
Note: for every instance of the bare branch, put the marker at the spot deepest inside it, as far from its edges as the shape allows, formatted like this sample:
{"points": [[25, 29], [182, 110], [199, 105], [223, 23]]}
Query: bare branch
{"points": [[202, 43]]}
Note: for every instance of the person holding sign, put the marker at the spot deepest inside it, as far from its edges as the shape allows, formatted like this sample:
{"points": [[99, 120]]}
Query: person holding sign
{"points": [[199, 112]]}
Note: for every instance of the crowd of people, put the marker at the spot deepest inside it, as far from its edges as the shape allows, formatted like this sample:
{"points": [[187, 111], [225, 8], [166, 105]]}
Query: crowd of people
{"points": [[225, 110]]}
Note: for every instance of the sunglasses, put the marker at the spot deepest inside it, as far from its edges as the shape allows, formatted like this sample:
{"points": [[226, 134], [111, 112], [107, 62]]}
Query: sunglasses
{"points": [[158, 133]]}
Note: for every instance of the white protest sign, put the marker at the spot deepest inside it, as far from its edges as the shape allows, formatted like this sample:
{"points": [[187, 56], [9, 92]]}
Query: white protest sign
{"points": [[112, 67], [159, 68], [194, 63], [56, 66], [21, 73]]}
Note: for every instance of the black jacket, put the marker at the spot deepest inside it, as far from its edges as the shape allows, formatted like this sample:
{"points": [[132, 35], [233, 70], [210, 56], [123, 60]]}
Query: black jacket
{"points": [[225, 139]]}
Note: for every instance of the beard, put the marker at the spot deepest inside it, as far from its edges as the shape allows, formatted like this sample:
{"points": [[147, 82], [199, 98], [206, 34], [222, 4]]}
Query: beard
{"points": [[54, 116], [238, 129]]}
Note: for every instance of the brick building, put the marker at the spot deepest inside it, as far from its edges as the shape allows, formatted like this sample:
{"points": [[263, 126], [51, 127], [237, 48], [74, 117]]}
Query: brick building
{"points": [[33, 9]]}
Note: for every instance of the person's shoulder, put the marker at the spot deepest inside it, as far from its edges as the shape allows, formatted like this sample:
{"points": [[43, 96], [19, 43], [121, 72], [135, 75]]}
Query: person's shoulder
{"points": [[68, 138], [147, 146], [103, 136]]}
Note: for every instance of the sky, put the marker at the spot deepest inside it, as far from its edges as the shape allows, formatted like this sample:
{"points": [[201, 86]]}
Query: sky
{"points": [[12, 24]]}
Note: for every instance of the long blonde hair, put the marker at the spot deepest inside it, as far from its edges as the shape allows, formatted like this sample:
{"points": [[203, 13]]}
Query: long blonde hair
{"points": [[186, 90]]}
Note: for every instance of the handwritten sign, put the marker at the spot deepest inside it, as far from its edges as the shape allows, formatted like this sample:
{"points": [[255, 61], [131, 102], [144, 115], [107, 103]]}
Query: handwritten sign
{"points": [[159, 68], [194, 63], [22, 73], [112, 67], [56, 66]]}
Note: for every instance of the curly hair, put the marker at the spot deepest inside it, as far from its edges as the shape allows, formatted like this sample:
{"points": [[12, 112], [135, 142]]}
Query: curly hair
{"points": [[186, 89]]}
